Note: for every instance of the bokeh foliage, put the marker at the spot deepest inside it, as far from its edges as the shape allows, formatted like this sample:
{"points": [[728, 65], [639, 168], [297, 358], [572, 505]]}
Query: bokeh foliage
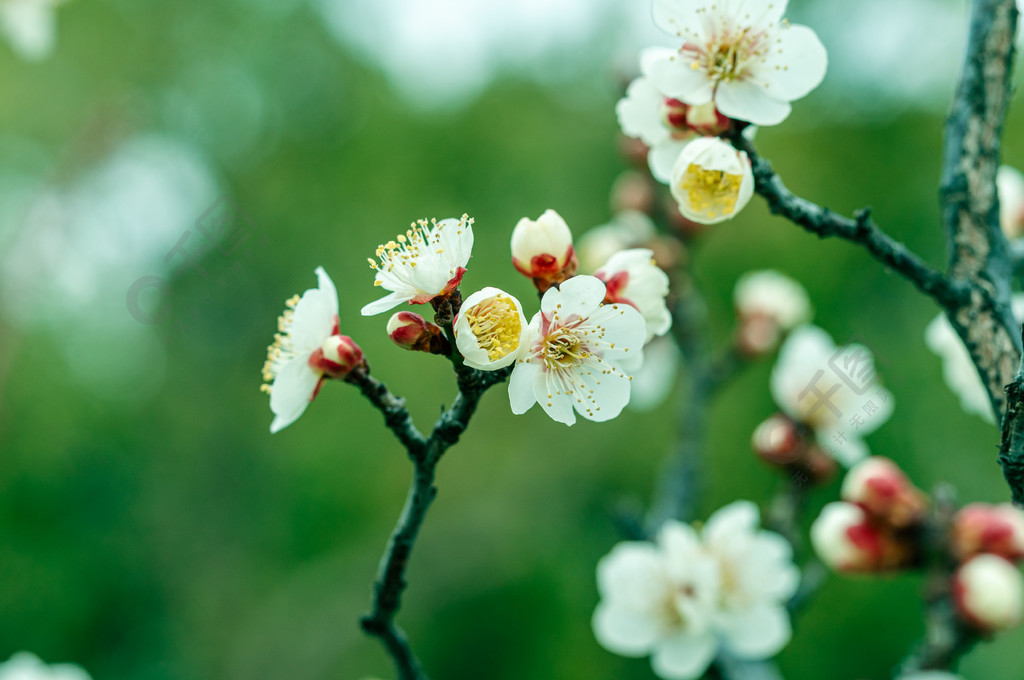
{"points": [[172, 538]]}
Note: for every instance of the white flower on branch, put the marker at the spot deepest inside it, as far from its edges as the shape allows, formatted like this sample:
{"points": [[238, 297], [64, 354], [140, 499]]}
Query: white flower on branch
{"points": [[958, 369], [1010, 187], [579, 355], [683, 598], [425, 262], [742, 56], [30, 26], [631, 277], [491, 330], [989, 594], [542, 249], [832, 391], [768, 304], [306, 350], [664, 124], [27, 666], [711, 181]]}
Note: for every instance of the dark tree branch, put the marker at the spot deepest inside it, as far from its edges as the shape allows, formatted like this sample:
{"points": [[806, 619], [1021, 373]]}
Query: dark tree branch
{"points": [[1011, 450], [425, 455], [970, 206], [861, 230]]}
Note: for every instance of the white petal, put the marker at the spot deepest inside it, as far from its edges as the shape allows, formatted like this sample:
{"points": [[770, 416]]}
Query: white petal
{"points": [[675, 76], [556, 403], [739, 517], [626, 631], [684, 657], [747, 101], [639, 113], [389, 301], [649, 56], [662, 158], [796, 66], [30, 26], [632, 573], [326, 286], [314, 319], [757, 633], [520, 386], [292, 391], [621, 325], [846, 448], [764, 13], [680, 19], [580, 295], [609, 395]]}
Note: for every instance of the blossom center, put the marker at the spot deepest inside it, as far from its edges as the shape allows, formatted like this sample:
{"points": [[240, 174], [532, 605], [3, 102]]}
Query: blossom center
{"points": [[727, 56], [711, 192], [562, 348], [496, 326]]}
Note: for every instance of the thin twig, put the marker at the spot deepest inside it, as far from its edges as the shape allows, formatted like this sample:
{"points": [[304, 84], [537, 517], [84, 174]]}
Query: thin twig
{"points": [[860, 229], [425, 455]]}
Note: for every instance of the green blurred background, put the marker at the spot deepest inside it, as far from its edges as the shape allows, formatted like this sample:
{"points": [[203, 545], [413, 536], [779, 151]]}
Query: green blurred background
{"points": [[150, 526]]}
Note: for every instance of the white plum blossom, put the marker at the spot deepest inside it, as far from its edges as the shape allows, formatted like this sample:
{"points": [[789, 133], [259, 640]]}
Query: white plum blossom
{"points": [[491, 330], [425, 262], [742, 56], [830, 390], [306, 350], [660, 599], [27, 666], [1010, 187], [771, 294], [711, 181], [579, 355], [631, 277], [628, 229], [664, 124], [30, 27], [758, 577], [688, 595]]}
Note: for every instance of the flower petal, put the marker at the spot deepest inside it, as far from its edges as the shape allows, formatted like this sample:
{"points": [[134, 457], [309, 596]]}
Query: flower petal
{"points": [[684, 657], [797, 66], [292, 391], [745, 100], [756, 633], [626, 631], [389, 301], [632, 573], [608, 393], [736, 519], [520, 386], [552, 398], [578, 296], [639, 113], [662, 158], [675, 76], [679, 18]]}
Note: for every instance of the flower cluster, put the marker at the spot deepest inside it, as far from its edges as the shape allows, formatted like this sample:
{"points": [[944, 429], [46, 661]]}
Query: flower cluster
{"points": [[576, 356], [737, 65], [689, 594], [880, 526]]}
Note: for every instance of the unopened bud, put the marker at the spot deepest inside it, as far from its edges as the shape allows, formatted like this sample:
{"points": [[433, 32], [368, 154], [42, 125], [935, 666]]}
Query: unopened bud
{"points": [[337, 356], [988, 593], [767, 304], [778, 441], [411, 331], [879, 486], [703, 119], [983, 528], [542, 249], [847, 540]]}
